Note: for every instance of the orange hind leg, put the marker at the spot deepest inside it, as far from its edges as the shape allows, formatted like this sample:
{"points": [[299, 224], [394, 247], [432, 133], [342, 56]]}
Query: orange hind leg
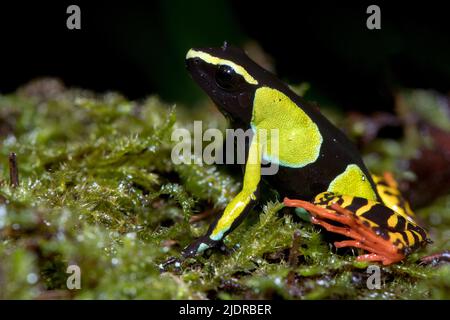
{"points": [[362, 236]]}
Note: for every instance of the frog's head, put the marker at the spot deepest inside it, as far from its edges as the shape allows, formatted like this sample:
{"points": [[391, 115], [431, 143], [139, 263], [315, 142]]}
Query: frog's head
{"points": [[228, 76]]}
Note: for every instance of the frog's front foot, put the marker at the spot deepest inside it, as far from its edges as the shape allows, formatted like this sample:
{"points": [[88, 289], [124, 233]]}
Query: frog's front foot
{"points": [[200, 245], [196, 247], [225, 249], [362, 236], [170, 261]]}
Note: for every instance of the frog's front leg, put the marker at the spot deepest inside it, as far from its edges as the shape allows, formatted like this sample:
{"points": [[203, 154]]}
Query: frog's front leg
{"points": [[237, 209], [370, 225]]}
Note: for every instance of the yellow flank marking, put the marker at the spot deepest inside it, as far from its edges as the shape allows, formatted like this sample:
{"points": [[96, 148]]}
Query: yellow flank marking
{"points": [[410, 237], [417, 234], [370, 222], [252, 177], [393, 236], [392, 221], [393, 201], [376, 178], [390, 190], [408, 209], [352, 182], [299, 138], [347, 201], [407, 216], [365, 208], [319, 198], [219, 61]]}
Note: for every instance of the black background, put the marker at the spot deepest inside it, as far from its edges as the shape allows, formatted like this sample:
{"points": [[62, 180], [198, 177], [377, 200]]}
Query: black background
{"points": [[138, 48]]}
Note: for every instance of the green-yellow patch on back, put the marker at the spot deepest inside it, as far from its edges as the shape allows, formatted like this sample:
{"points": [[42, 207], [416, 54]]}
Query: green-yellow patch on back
{"points": [[299, 137], [352, 182]]}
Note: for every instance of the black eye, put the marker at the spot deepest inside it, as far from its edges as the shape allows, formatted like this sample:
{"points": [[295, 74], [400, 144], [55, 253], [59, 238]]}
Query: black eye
{"points": [[225, 77]]}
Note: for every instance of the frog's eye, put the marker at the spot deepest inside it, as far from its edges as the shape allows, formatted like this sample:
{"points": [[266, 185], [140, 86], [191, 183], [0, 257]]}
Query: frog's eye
{"points": [[226, 77]]}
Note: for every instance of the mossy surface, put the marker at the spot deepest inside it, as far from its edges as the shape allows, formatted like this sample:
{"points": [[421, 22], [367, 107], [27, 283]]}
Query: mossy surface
{"points": [[98, 190]]}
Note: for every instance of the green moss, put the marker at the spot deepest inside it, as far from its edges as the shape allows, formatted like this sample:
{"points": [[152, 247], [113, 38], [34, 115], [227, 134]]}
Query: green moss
{"points": [[98, 189]]}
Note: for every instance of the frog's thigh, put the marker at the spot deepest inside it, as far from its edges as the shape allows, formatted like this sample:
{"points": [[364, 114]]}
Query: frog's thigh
{"points": [[375, 220]]}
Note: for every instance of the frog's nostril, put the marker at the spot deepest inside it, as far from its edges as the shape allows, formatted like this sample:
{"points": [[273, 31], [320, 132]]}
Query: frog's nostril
{"points": [[196, 61]]}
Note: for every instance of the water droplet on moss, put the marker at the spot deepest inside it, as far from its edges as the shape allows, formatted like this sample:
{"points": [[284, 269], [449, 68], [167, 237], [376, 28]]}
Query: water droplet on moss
{"points": [[2, 216], [131, 235], [277, 281], [32, 278]]}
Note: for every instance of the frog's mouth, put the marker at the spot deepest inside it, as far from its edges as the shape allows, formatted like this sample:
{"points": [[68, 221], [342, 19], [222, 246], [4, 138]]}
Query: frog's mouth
{"points": [[202, 73], [235, 106]]}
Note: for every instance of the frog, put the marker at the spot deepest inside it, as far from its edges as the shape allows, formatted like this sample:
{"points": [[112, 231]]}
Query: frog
{"points": [[319, 169]]}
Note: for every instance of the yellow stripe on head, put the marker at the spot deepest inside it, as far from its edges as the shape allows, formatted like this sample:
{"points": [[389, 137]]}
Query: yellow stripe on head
{"points": [[219, 61]]}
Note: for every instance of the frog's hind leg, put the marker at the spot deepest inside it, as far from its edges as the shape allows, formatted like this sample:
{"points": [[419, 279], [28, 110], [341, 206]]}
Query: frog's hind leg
{"points": [[375, 258], [362, 236], [378, 257]]}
